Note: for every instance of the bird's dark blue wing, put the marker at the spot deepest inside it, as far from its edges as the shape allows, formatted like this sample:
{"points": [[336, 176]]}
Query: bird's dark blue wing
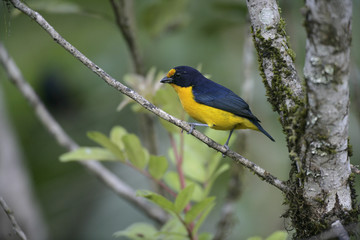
{"points": [[214, 95]]}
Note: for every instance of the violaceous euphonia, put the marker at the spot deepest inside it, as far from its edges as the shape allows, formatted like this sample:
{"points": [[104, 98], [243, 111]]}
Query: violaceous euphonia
{"points": [[210, 103]]}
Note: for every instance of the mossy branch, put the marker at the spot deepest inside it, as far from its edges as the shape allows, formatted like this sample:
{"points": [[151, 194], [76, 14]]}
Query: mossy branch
{"points": [[315, 118], [284, 88], [263, 174]]}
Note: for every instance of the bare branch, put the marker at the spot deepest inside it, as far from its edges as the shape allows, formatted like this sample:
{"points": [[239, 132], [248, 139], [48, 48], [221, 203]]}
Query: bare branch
{"points": [[106, 176], [16, 184], [19, 232], [122, 10], [263, 174]]}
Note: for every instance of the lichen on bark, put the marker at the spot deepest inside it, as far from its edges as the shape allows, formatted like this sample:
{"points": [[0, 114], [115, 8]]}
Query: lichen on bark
{"points": [[314, 112]]}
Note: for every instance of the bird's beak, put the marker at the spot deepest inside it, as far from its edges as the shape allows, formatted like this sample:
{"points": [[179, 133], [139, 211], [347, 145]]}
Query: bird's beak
{"points": [[166, 80]]}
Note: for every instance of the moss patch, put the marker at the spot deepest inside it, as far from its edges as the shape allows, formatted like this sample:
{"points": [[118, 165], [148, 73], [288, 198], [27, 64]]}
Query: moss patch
{"points": [[293, 113]]}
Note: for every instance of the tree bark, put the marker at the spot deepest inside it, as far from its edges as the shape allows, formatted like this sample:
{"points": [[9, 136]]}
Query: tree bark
{"points": [[327, 169], [284, 88], [315, 117]]}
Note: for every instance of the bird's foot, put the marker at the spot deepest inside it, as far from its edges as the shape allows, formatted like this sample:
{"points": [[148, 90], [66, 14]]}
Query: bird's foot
{"points": [[227, 149], [192, 127]]}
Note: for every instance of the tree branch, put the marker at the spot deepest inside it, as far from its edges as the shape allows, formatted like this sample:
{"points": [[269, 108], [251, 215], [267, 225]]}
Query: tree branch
{"points": [[19, 232], [276, 59], [16, 183], [122, 9], [283, 85], [106, 176], [263, 174]]}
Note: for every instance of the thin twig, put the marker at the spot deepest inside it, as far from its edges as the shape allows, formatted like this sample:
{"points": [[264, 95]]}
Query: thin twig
{"points": [[179, 161], [19, 232], [179, 158], [263, 174], [106, 176], [122, 9], [160, 183]]}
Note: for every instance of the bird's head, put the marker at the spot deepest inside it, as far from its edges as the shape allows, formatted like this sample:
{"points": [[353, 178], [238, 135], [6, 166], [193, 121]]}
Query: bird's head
{"points": [[182, 76]]}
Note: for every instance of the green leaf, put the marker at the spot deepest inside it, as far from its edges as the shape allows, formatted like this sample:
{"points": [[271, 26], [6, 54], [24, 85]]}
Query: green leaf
{"points": [[106, 143], [213, 165], [173, 229], [137, 155], [116, 135], [171, 178], [88, 153], [138, 231], [223, 168], [157, 199], [157, 166], [198, 208], [278, 235], [205, 236], [193, 168], [203, 217], [195, 149], [183, 198]]}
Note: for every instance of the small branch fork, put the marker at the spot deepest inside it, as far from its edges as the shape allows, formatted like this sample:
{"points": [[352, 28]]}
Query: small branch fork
{"points": [[263, 174]]}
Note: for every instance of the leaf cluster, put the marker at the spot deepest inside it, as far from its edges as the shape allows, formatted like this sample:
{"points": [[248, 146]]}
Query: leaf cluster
{"points": [[190, 206]]}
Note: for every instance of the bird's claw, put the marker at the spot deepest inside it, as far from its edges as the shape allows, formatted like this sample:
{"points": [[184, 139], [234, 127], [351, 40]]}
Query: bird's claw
{"points": [[227, 149], [191, 129]]}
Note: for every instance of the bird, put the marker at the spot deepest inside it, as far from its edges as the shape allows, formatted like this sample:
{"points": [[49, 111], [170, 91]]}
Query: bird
{"points": [[210, 103]]}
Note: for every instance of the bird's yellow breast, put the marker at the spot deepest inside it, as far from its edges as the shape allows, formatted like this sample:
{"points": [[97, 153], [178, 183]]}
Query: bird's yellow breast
{"points": [[213, 117]]}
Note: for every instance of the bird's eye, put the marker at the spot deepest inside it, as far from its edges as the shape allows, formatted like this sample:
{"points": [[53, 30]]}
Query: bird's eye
{"points": [[177, 74]]}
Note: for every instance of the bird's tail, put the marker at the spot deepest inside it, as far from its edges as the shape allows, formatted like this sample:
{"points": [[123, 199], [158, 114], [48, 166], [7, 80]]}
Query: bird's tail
{"points": [[261, 129]]}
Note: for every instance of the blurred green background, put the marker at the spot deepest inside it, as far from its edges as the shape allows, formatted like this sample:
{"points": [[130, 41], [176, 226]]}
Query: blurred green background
{"points": [[73, 202]]}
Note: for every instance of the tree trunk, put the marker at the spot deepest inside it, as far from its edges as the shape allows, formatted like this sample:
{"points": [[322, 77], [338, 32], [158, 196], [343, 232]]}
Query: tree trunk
{"points": [[315, 117], [326, 163]]}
